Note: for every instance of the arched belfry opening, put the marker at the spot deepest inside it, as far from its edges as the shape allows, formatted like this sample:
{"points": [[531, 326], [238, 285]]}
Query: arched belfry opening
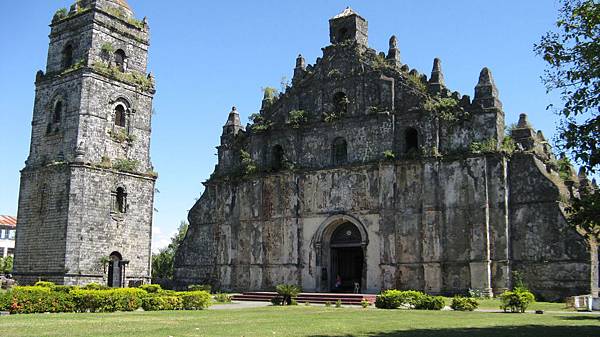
{"points": [[341, 248]]}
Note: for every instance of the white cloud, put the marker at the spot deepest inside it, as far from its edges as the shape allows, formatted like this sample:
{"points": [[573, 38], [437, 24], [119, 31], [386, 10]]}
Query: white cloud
{"points": [[160, 239]]}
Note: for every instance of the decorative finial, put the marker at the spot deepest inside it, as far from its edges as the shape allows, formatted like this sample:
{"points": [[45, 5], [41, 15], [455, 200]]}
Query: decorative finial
{"points": [[523, 122], [393, 42], [486, 93], [436, 82]]}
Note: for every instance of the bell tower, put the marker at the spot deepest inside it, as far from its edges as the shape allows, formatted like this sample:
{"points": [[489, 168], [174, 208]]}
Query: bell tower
{"points": [[87, 189], [348, 26]]}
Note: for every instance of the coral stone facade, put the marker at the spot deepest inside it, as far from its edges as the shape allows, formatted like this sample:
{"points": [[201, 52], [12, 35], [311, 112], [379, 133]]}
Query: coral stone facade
{"points": [[366, 174], [87, 189]]}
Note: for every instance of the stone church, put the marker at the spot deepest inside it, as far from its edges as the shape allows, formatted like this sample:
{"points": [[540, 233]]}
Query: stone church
{"points": [[87, 189], [366, 173]]}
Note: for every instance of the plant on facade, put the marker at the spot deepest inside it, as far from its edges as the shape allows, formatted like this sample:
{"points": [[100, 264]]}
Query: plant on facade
{"points": [[120, 13], [447, 109], [330, 117], [140, 81], [121, 135], [487, 146], [297, 118], [287, 292], [415, 81], [75, 66], [60, 14], [248, 164], [107, 48], [125, 165], [460, 303], [259, 123], [389, 155], [270, 96]]}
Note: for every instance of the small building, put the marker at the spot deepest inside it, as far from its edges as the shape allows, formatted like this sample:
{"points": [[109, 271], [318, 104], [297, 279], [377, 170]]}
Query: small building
{"points": [[8, 228]]}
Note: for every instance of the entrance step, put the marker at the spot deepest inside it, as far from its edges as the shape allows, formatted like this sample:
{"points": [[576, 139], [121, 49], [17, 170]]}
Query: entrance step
{"points": [[317, 298]]}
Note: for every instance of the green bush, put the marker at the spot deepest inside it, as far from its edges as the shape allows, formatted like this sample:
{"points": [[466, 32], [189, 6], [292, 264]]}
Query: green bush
{"points": [[162, 302], [119, 299], [95, 286], [517, 300], [276, 300], [460, 303], [393, 299], [45, 284], [223, 298], [365, 303], [288, 292], [64, 289], [195, 300], [427, 302], [151, 288], [200, 287], [36, 299]]}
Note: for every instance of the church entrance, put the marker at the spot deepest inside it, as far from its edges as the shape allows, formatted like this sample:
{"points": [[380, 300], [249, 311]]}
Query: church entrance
{"points": [[347, 259]]}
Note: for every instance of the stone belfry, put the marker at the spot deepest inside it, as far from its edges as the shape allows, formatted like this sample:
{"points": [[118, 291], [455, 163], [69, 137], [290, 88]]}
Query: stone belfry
{"points": [[87, 189]]}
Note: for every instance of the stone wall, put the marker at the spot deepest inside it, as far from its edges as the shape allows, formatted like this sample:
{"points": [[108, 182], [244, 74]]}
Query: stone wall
{"points": [[80, 157], [443, 200]]}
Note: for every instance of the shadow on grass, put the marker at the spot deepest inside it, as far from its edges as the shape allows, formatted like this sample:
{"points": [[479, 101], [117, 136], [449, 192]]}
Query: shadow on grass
{"points": [[582, 318], [504, 331]]}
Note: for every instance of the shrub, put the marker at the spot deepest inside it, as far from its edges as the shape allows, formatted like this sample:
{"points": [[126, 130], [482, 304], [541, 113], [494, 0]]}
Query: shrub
{"points": [[95, 286], [338, 303], [223, 298], [365, 304], [36, 299], [393, 299], [200, 287], [162, 302], [64, 289], [45, 284], [427, 302], [288, 292], [151, 288], [276, 300], [460, 303], [195, 300], [327, 304], [120, 299], [517, 300]]}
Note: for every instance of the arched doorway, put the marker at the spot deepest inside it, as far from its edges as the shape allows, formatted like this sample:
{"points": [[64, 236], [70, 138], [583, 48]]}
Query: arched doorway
{"points": [[340, 246], [347, 258], [115, 270]]}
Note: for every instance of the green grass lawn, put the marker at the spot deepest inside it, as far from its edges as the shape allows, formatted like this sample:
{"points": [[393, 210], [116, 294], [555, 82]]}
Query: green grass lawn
{"points": [[494, 304], [301, 321]]}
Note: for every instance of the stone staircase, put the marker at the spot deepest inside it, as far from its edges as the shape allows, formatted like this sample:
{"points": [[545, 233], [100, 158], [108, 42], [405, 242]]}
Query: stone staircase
{"points": [[316, 298]]}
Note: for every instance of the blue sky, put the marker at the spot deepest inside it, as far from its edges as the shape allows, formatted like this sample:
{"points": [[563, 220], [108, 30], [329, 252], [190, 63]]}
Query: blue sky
{"points": [[210, 55]]}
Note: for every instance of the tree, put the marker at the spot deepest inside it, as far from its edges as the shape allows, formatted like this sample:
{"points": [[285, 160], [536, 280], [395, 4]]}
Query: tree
{"points": [[6, 265], [162, 263], [573, 56]]}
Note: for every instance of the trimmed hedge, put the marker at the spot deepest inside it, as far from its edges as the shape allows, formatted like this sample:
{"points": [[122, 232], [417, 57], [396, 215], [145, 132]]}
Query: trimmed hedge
{"points": [[119, 299], [428, 302], [195, 300], [162, 302], [47, 297], [517, 300], [464, 303], [394, 299]]}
